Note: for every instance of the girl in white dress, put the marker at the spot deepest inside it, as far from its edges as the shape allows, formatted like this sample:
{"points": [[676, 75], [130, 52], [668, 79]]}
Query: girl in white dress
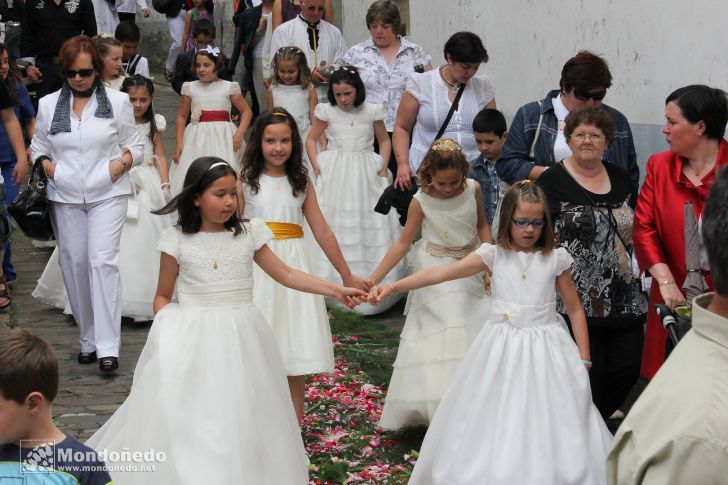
{"points": [[519, 409], [113, 74], [278, 190], [442, 320], [351, 179], [210, 132], [138, 257], [209, 389], [291, 88]]}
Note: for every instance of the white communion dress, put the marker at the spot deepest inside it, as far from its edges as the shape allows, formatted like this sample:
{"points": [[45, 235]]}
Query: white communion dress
{"points": [[442, 320], [519, 410], [209, 389], [348, 189], [138, 255], [295, 101], [210, 132], [299, 320]]}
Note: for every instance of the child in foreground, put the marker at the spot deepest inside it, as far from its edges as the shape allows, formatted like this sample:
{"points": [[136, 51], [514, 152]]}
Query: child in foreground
{"points": [[519, 409], [210, 389], [28, 437]]}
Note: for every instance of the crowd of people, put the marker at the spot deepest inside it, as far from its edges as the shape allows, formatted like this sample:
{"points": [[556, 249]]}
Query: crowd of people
{"points": [[532, 257]]}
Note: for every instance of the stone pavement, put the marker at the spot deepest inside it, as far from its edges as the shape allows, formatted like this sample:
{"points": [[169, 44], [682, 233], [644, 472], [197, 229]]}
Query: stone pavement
{"points": [[86, 398]]}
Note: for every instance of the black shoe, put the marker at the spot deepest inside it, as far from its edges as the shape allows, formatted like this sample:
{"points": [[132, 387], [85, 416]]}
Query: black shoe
{"points": [[108, 364], [86, 357]]}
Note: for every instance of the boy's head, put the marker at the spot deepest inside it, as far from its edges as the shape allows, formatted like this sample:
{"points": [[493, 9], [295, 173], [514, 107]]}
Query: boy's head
{"points": [[489, 129], [127, 32], [203, 32], [28, 383]]}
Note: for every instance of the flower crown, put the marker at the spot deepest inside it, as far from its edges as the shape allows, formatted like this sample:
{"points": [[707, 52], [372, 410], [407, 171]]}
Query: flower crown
{"points": [[446, 145]]}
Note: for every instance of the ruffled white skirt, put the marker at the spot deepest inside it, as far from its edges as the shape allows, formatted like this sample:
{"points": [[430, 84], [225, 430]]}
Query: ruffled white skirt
{"points": [[519, 410], [347, 190], [442, 322], [209, 392]]}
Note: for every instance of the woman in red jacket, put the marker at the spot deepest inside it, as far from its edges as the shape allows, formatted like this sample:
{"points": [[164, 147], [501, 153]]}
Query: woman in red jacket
{"points": [[696, 118]]}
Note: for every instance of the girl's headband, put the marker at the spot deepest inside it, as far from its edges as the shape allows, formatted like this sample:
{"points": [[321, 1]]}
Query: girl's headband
{"points": [[212, 50], [218, 164]]}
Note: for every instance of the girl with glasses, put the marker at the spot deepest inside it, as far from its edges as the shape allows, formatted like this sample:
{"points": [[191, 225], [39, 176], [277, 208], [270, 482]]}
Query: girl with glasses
{"points": [[519, 408]]}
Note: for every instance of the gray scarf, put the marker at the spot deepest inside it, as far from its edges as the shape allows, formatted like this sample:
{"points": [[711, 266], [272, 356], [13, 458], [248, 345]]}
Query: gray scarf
{"points": [[62, 115]]}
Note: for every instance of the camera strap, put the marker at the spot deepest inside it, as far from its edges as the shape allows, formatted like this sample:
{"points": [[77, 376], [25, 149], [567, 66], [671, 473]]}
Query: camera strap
{"points": [[611, 218]]}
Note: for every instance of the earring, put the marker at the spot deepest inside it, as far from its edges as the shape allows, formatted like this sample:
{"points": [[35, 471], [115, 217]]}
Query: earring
{"points": [[196, 204]]}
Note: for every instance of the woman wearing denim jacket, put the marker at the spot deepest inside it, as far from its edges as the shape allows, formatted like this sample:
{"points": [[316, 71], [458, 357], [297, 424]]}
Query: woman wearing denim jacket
{"points": [[536, 140]]}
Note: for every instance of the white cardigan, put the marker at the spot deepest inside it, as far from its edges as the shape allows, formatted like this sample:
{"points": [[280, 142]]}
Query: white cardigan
{"points": [[82, 156]]}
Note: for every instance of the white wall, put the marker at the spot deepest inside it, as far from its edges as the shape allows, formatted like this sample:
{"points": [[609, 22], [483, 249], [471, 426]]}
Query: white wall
{"points": [[652, 47]]}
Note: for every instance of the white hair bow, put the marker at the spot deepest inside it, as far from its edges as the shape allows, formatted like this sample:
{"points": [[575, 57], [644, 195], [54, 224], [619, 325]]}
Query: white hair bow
{"points": [[215, 51]]}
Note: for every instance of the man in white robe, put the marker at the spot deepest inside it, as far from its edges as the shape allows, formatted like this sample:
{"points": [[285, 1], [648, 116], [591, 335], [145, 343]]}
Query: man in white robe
{"points": [[322, 42]]}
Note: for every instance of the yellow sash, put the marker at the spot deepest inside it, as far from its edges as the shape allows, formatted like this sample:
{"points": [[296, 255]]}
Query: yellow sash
{"points": [[284, 230]]}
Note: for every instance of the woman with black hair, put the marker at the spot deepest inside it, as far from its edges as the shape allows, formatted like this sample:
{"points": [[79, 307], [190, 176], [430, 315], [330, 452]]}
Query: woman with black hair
{"points": [[428, 99]]}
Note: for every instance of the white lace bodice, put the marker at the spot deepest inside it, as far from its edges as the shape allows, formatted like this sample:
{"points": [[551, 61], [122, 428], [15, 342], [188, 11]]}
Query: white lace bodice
{"points": [[207, 258]]}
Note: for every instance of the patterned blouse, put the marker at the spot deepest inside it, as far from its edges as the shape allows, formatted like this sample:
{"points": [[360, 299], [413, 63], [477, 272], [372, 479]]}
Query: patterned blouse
{"points": [[385, 82], [596, 229]]}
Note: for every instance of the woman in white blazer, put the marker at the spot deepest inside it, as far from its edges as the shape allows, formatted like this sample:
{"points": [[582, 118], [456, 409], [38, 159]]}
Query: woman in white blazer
{"points": [[86, 137]]}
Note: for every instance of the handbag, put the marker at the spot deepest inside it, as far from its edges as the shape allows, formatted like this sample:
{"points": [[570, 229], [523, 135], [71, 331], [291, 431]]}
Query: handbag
{"points": [[385, 202], [31, 209]]}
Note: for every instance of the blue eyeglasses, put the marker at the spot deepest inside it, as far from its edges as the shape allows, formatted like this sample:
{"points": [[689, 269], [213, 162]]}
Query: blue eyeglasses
{"points": [[524, 223]]}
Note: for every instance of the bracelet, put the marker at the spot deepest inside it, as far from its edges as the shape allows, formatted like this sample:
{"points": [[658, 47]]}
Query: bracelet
{"points": [[667, 282], [166, 184], [587, 363]]}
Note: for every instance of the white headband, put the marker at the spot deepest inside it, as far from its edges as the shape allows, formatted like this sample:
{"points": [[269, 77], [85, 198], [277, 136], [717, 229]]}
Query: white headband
{"points": [[217, 164]]}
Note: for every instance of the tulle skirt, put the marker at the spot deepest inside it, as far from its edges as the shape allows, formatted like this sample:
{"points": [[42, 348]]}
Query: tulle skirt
{"points": [[442, 322], [347, 190], [518, 411], [209, 392]]}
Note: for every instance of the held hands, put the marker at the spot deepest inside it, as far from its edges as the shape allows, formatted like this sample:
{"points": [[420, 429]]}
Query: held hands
{"points": [[350, 297], [378, 293], [354, 281], [145, 12]]}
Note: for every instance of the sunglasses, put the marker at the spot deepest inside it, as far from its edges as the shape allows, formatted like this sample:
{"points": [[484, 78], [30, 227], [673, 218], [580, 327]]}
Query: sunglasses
{"points": [[586, 95], [524, 223], [81, 72]]}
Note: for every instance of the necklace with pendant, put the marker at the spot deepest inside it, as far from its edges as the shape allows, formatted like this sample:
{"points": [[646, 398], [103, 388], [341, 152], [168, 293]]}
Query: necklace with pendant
{"points": [[524, 270], [444, 222], [217, 254]]}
